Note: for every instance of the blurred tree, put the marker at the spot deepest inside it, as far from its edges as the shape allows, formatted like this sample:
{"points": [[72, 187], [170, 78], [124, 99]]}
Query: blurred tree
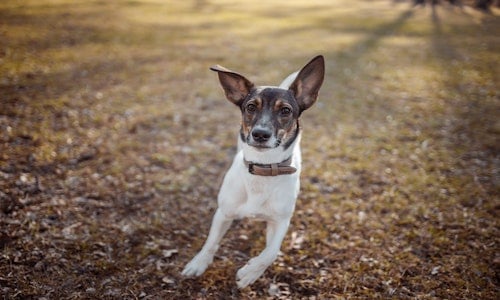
{"points": [[483, 4], [433, 2]]}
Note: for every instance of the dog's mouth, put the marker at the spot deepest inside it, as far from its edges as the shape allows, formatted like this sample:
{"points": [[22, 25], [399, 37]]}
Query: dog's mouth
{"points": [[262, 146]]}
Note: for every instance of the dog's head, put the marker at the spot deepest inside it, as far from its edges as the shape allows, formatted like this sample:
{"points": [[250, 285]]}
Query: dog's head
{"points": [[270, 114]]}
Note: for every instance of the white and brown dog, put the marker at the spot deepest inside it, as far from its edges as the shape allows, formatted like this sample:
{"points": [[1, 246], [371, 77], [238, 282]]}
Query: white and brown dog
{"points": [[263, 180]]}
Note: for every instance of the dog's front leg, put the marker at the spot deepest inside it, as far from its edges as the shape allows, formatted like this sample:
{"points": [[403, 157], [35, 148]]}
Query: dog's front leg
{"points": [[276, 231], [200, 262]]}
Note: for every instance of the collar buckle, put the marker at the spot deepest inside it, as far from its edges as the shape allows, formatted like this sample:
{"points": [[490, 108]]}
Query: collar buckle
{"points": [[250, 168]]}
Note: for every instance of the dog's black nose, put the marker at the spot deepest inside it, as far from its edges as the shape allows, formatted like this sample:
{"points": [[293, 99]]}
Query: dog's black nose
{"points": [[261, 135]]}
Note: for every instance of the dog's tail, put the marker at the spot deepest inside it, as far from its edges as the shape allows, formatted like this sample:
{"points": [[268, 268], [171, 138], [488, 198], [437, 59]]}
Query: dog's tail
{"points": [[286, 83]]}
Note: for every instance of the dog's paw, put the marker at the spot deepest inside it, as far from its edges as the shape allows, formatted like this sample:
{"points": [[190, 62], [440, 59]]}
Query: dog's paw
{"points": [[196, 266], [249, 273]]}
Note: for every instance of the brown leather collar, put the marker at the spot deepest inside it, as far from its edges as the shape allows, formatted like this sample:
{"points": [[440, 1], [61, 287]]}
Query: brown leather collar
{"points": [[276, 169]]}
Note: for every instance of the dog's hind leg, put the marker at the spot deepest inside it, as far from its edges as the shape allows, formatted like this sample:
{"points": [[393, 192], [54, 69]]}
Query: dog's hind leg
{"points": [[276, 231], [200, 262]]}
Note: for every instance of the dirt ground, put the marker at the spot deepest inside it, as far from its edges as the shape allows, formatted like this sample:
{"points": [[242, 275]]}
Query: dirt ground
{"points": [[114, 137]]}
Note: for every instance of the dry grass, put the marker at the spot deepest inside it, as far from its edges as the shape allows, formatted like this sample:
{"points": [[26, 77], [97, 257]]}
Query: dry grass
{"points": [[114, 135]]}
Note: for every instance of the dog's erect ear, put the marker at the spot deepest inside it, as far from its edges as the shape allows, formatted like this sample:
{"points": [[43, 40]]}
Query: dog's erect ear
{"points": [[306, 85], [236, 86]]}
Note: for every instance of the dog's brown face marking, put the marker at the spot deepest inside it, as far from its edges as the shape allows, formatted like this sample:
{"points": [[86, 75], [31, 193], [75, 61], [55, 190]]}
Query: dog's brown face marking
{"points": [[269, 111]]}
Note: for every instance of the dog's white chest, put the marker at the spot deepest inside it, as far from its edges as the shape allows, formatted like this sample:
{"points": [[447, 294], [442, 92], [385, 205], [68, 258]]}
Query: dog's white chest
{"points": [[259, 199], [265, 197], [256, 208], [268, 198]]}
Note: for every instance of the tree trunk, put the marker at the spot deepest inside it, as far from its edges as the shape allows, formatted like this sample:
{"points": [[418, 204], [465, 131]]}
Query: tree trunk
{"points": [[483, 4]]}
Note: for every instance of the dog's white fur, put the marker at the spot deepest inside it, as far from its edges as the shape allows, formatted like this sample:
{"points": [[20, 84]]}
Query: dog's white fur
{"points": [[245, 195]]}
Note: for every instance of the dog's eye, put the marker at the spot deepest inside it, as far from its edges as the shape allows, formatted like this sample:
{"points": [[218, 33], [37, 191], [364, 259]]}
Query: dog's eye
{"points": [[251, 108], [285, 111]]}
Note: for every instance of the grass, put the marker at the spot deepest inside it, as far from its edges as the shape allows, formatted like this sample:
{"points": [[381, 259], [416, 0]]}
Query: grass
{"points": [[114, 136]]}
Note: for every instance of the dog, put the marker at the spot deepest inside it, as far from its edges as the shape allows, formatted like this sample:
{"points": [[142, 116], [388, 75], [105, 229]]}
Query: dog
{"points": [[264, 179]]}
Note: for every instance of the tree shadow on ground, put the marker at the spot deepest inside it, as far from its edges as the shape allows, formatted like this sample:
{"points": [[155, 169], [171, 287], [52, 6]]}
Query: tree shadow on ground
{"points": [[472, 106]]}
